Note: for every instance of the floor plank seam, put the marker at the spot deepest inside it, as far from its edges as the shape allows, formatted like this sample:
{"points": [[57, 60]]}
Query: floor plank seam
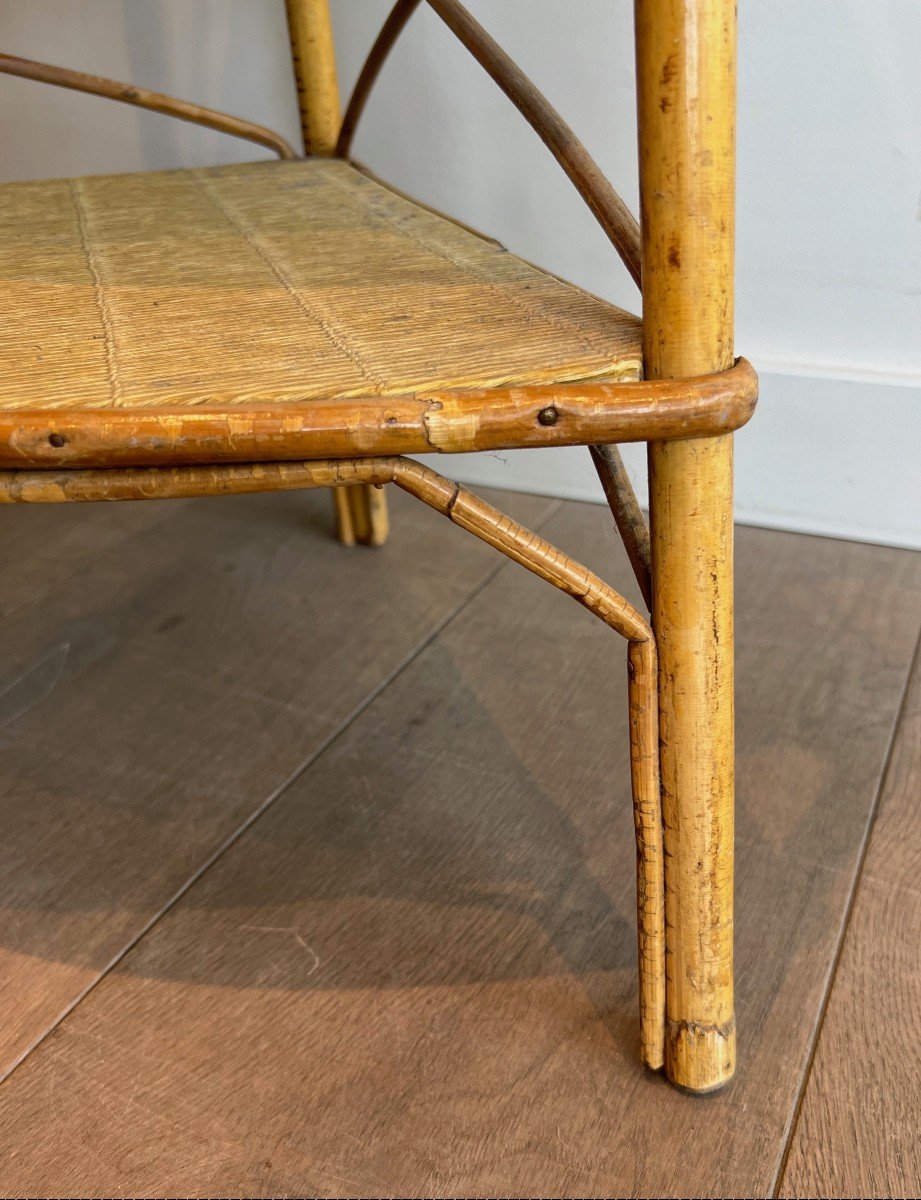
{"points": [[379, 689], [789, 1133]]}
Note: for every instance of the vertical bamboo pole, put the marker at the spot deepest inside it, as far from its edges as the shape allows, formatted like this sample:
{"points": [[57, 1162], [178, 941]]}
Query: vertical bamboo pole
{"points": [[313, 52], [361, 513], [686, 103]]}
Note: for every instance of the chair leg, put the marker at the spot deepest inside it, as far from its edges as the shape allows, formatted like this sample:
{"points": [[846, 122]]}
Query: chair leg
{"points": [[345, 530], [686, 106], [691, 503], [361, 515]]}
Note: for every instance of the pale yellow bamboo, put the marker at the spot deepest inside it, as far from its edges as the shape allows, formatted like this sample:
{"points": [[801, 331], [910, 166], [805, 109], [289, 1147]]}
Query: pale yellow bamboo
{"points": [[650, 864], [686, 94], [311, 33], [370, 519], [360, 516], [342, 509]]}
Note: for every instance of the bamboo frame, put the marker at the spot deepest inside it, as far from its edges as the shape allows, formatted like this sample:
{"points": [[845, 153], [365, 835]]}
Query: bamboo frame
{"points": [[450, 421], [361, 516], [127, 93], [686, 100], [512, 540], [693, 398], [609, 210]]}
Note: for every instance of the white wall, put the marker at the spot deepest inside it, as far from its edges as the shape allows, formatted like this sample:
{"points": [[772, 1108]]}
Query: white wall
{"points": [[829, 220]]}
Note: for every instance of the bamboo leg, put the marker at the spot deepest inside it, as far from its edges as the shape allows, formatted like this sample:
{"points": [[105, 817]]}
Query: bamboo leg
{"points": [[345, 527], [686, 94], [691, 489], [642, 670], [361, 514], [368, 511], [532, 552]]}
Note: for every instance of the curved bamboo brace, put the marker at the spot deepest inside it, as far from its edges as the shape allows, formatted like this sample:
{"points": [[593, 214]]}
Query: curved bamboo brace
{"points": [[512, 540], [384, 43], [126, 93], [610, 211]]}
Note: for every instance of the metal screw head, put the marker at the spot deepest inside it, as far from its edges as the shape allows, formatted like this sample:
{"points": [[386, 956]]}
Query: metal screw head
{"points": [[57, 440], [548, 416]]}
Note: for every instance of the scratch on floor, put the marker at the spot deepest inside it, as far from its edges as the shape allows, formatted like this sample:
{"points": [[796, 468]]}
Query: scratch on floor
{"points": [[37, 682], [291, 932]]}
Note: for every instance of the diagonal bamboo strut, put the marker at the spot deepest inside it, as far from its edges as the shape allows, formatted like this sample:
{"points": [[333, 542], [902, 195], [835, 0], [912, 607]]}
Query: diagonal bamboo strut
{"points": [[127, 93], [628, 516], [512, 540]]}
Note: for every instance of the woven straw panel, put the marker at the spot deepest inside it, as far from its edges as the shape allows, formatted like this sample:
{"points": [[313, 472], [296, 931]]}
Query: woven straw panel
{"points": [[272, 282]]}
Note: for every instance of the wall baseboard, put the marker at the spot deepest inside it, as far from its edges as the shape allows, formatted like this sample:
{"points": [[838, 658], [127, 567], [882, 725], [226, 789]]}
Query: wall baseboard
{"points": [[833, 454]]}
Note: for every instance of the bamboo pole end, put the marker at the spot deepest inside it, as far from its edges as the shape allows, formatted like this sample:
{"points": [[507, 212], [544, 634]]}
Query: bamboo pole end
{"points": [[700, 1058]]}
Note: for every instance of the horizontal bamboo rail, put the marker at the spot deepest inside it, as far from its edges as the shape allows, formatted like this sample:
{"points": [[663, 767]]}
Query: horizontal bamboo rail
{"points": [[609, 210], [515, 417], [126, 93], [514, 541]]}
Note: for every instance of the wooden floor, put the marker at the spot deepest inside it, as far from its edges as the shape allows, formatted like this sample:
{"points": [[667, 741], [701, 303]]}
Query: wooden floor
{"points": [[317, 866]]}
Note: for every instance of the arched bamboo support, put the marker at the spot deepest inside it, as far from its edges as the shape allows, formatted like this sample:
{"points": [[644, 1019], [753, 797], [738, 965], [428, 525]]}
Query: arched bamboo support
{"points": [[514, 541], [384, 42], [127, 93], [609, 210]]}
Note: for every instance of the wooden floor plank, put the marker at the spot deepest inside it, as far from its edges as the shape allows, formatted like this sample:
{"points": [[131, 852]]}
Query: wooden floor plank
{"points": [[43, 545], [415, 974], [152, 703], [859, 1127]]}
